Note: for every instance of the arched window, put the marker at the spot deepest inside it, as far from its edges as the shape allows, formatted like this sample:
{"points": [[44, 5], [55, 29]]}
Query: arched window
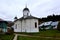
{"points": [[35, 24], [16, 26]]}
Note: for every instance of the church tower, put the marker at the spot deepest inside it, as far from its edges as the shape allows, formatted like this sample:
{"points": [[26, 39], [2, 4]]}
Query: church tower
{"points": [[25, 12]]}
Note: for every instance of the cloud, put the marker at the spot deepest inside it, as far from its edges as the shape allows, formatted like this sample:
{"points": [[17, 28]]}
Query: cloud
{"points": [[40, 8]]}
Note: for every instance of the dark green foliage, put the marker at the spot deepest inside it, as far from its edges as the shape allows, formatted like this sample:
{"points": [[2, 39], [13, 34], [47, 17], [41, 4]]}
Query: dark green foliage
{"points": [[51, 18]]}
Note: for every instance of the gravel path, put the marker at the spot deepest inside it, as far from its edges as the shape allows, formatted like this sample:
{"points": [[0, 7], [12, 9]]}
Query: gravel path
{"points": [[15, 38]]}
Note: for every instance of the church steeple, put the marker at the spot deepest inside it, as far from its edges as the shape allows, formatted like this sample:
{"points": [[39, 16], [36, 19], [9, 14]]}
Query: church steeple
{"points": [[25, 12], [26, 6]]}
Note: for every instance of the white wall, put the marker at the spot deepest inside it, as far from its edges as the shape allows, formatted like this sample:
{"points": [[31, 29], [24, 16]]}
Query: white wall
{"points": [[27, 25], [18, 29]]}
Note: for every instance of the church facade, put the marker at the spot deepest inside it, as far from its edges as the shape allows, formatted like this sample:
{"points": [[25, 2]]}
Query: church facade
{"points": [[27, 23]]}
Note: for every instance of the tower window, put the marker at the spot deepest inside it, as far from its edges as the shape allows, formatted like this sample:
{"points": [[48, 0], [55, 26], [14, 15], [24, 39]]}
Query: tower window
{"points": [[35, 24]]}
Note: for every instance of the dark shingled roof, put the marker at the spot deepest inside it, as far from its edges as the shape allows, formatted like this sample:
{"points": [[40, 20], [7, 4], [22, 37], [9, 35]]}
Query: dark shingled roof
{"points": [[29, 17], [1, 20]]}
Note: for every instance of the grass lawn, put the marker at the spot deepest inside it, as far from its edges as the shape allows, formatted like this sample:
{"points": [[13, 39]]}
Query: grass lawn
{"points": [[47, 33], [34, 38], [6, 37]]}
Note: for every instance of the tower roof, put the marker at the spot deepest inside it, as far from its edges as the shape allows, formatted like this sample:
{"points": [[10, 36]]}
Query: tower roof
{"points": [[25, 8]]}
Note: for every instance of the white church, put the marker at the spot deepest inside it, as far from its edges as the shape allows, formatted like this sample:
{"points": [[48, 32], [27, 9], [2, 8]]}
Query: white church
{"points": [[27, 23]]}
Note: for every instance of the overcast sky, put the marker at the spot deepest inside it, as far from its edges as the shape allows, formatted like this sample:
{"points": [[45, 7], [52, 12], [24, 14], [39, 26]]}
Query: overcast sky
{"points": [[39, 8]]}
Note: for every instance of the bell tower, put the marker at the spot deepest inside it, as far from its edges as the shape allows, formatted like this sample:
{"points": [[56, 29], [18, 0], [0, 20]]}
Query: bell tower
{"points": [[26, 12]]}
